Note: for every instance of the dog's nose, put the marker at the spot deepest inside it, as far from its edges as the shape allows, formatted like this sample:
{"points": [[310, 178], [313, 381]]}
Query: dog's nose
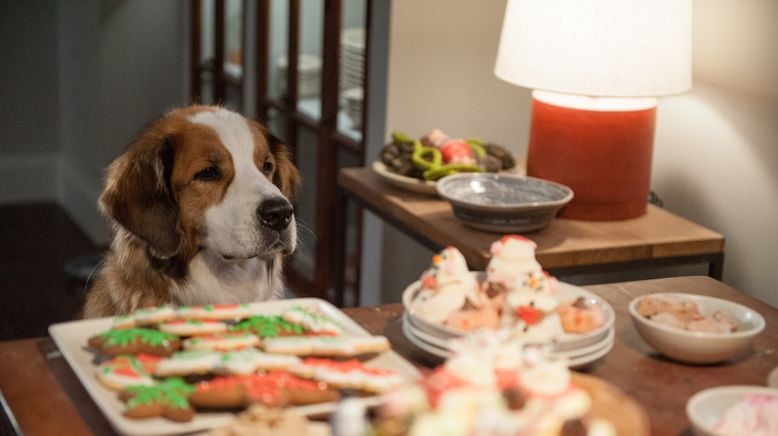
{"points": [[275, 213]]}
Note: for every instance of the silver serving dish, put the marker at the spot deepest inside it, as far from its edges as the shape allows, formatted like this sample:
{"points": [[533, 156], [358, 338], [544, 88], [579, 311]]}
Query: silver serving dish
{"points": [[503, 203]]}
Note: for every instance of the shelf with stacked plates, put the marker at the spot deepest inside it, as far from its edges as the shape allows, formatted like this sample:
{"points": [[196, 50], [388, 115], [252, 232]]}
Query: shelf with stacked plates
{"points": [[312, 69], [217, 52], [352, 75]]}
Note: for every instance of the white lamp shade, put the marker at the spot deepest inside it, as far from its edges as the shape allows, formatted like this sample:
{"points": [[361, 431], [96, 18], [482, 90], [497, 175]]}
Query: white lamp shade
{"points": [[607, 48]]}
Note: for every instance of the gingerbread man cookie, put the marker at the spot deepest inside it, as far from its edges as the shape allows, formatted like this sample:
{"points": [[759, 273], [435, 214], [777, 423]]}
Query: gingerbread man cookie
{"points": [[275, 389], [168, 399]]}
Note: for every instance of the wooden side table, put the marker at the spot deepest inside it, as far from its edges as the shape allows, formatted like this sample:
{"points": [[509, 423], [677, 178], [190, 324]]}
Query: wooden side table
{"points": [[565, 247]]}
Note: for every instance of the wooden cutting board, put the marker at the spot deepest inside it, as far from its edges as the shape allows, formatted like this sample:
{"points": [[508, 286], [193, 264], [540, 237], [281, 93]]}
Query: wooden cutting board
{"points": [[610, 403]]}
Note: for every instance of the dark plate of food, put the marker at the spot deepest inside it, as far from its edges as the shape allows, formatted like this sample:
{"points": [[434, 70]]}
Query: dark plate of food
{"points": [[416, 165]]}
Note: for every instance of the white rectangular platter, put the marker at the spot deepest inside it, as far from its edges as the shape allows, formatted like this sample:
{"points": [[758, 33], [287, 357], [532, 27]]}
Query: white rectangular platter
{"points": [[72, 337]]}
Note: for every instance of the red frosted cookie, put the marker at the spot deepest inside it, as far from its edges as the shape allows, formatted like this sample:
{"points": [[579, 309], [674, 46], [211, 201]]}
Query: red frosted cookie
{"points": [[348, 374], [222, 342], [214, 311], [273, 389], [128, 370], [193, 327]]}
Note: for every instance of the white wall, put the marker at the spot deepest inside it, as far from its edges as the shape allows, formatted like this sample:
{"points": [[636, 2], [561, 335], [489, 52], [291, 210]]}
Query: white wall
{"points": [[80, 79], [114, 79], [716, 150], [441, 61], [716, 147], [29, 118]]}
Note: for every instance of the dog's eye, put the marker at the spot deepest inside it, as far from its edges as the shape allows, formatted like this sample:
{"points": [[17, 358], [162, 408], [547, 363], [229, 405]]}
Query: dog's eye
{"points": [[208, 174], [267, 167]]}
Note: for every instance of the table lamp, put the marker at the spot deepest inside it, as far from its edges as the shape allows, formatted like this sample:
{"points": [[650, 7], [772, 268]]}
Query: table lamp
{"points": [[596, 68]]}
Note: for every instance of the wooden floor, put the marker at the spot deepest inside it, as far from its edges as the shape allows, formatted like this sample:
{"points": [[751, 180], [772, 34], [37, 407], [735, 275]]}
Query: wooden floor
{"points": [[36, 240]]}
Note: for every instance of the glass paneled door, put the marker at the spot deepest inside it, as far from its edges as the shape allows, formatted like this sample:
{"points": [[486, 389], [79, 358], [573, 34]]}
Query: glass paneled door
{"points": [[311, 69]]}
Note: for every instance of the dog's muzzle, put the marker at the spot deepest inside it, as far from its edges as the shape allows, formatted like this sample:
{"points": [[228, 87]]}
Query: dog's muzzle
{"points": [[275, 213]]}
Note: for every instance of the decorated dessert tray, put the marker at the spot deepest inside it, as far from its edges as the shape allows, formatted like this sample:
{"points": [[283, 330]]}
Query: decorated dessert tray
{"points": [[95, 349], [449, 302], [581, 349], [417, 165]]}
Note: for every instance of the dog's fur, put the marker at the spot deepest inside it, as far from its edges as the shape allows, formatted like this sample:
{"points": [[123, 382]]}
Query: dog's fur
{"points": [[185, 201]]}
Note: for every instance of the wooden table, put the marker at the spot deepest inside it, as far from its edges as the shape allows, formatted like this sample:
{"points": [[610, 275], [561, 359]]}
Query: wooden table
{"points": [[45, 397], [565, 247]]}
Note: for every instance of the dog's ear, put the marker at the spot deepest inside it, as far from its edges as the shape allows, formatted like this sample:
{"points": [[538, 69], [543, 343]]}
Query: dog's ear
{"points": [[287, 177], [138, 196]]}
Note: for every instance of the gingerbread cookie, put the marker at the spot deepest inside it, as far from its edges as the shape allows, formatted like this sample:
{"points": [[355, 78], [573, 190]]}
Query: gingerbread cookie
{"points": [[124, 322], [275, 389], [349, 374], [268, 326], [127, 370], [193, 327], [135, 341], [168, 399], [312, 321], [337, 346], [154, 315], [214, 311], [222, 342]]}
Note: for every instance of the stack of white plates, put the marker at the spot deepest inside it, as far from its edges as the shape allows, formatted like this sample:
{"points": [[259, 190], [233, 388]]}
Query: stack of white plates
{"points": [[353, 106], [308, 74], [352, 58], [580, 349]]}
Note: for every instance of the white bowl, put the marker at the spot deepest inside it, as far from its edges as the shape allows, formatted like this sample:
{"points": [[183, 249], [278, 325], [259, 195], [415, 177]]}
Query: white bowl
{"points": [[697, 347], [705, 408]]}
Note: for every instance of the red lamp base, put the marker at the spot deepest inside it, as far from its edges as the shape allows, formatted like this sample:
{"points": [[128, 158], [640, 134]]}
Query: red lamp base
{"points": [[601, 148]]}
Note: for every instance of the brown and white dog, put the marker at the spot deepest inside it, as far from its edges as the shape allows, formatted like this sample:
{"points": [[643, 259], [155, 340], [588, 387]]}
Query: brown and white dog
{"points": [[201, 207]]}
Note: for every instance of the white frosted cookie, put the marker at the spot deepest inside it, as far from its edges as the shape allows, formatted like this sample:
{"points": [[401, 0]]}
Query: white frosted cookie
{"points": [[193, 327], [349, 374], [154, 315], [127, 370], [343, 346], [312, 321], [214, 311], [188, 362], [222, 342], [123, 322], [250, 360]]}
